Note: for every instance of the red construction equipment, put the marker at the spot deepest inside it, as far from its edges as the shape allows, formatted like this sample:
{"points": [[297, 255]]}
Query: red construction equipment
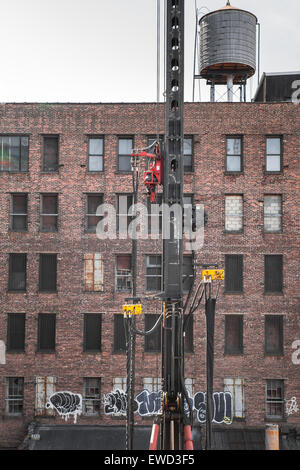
{"points": [[154, 175]]}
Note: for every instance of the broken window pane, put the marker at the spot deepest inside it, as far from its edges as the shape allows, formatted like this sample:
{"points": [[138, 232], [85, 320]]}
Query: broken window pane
{"points": [[50, 153]]}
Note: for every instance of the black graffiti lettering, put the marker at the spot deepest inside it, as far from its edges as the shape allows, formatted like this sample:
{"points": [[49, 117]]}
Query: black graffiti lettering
{"points": [[148, 402]]}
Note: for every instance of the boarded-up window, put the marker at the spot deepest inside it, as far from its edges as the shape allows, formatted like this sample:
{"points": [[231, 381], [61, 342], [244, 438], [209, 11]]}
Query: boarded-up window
{"points": [[236, 388], [14, 153], [48, 272], [49, 212], [44, 388], [234, 273], [93, 272], [152, 341], [273, 214], [234, 213], [234, 334], [92, 332], [50, 153], [274, 334], [92, 219], [119, 334], [46, 332], [18, 214], [16, 332], [91, 396], [17, 272], [273, 273], [123, 273]]}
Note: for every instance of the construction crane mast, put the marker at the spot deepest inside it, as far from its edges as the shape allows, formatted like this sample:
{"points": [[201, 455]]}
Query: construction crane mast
{"points": [[172, 419]]}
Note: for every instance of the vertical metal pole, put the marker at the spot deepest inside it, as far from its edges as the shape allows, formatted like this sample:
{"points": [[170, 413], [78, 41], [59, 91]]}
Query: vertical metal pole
{"points": [[230, 88], [210, 306], [212, 92]]}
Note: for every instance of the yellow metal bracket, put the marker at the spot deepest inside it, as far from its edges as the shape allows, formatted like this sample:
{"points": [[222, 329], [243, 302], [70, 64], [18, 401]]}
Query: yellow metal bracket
{"points": [[134, 309], [213, 274]]}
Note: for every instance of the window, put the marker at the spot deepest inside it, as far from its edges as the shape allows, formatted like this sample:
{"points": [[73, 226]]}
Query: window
{"points": [[16, 332], [93, 272], [152, 384], [273, 214], [92, 204], [124, 213], [153, 273], [275, 399], [233, 334], [236, 388], [18, 213], [273, 273], [14, 395], [17, 272], [48, 272], [234, 158], [120, 383], [13, 153], [274, 334], [125, 147], [273, 154], [233, 213], [152, 341], [49, 212], [189, 335], [119, 334], [50, 153], [187, 273], [188, 154], [92, 332], [123, 273], [234, 273], [95, 162], [46, 332], [91, 396], [44, 388]]}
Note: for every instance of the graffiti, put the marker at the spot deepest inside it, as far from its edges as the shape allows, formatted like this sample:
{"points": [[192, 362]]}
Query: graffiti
{"points": [[296, 354], [149, 403], [291, 406], [222, 407], [115, 402], [66, 404]]}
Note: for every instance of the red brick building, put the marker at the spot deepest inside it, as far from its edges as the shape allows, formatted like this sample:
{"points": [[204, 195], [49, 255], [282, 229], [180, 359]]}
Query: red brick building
{"points": [[62, 289]]}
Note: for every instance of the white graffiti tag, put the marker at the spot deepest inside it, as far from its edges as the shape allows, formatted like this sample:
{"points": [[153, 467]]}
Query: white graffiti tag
{"points": [[66, 404], [291, 406]]}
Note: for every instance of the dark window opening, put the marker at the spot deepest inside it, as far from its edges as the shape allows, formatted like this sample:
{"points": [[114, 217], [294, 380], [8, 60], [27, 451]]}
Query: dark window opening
{"points": [[274, 334], [274, 399], [50, 153], [17, 272], [92, 219], [46, 332], [92, 332], [234, 334], [18, 214], [152, 341], [123, 273], [48, 272], [234, 273], [119, 334], [273, 273], [49, 212], [16, 332]]}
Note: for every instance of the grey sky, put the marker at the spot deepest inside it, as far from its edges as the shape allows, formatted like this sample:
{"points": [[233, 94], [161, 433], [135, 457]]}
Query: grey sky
{"points": [[105, 50]]}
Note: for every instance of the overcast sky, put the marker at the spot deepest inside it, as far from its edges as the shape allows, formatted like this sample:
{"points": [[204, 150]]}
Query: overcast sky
{"points": [[105, 50]]}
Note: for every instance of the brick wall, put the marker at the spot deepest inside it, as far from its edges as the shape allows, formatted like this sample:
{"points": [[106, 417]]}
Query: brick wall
{"points": [[209, 124]]}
